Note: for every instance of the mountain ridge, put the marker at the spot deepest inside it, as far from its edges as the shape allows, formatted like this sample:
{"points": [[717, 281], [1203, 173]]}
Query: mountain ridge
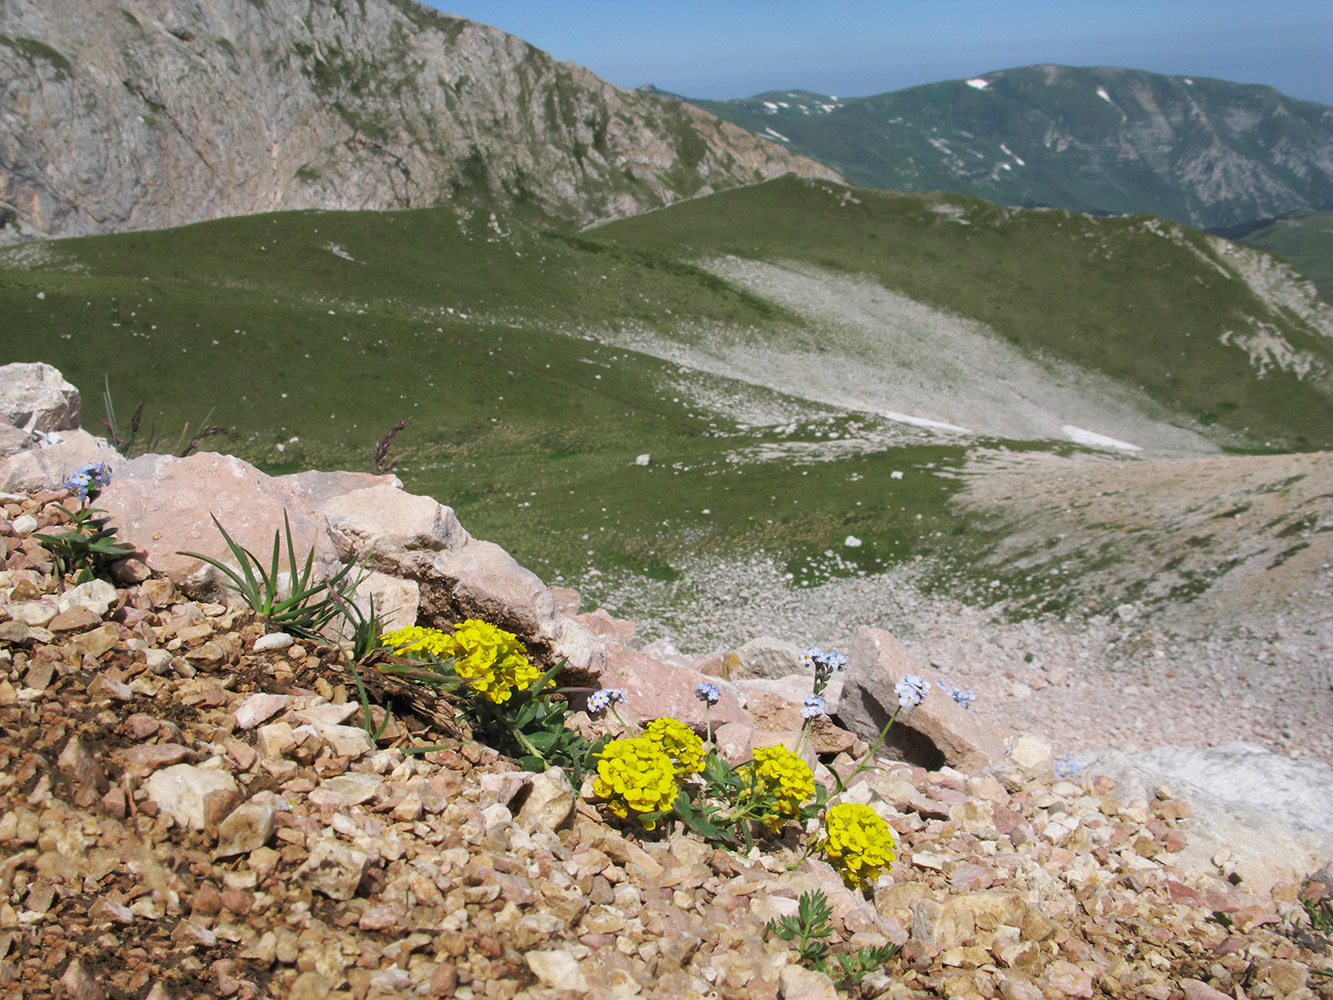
{"points": [[1104, 140], [154, 114]]}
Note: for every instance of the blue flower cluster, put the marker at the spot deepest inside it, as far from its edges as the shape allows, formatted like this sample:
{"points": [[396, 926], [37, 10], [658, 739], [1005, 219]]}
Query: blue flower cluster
{"points": [[822, 662], [89, 480], [603, 698], [814, 707], [911, 690], [708, 692], [963, 698], [1066, 766]]}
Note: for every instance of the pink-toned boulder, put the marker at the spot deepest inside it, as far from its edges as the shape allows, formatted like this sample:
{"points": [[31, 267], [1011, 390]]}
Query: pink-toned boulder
{"points": [[619, 630], [402, 534], [938, 731], [164, 505], [772, 711], [161, 505], [567, 600], [654, 690]]}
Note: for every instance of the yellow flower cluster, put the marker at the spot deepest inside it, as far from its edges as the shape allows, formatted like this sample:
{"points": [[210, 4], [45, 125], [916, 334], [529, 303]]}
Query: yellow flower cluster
{"points": [[679, 742], [858, 843], [780, 774], [490, 659], [635, 773], [415, 639]]}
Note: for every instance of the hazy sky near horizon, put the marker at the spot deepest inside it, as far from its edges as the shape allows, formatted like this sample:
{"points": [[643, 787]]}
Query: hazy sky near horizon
{"points": [[854, 48]]}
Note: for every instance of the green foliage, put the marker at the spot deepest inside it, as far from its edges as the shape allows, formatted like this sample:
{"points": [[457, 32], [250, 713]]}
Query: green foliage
{"points": [[530, 727], [848, 968], [811, 927], [302, 612], [124, 441], [1318, 906], [527, 415], [1304, 239], [724, 807], [359, 630], [510, 705], [808, 928], [35, 51], [1053, 284], [87, 548]]}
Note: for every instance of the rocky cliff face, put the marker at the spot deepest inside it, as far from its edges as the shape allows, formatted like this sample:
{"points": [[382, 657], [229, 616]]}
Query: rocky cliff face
{"points": [[151, 113], [1207, 153]]}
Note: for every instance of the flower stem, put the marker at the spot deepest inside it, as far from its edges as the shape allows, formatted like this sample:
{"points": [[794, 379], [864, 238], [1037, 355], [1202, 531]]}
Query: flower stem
{"points": [[522, 740], [864, 763]]}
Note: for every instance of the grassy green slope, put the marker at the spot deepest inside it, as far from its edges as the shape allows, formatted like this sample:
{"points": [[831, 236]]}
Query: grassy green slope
{"points": [[311, 333], [1142, 301], [1305, 239], [529, 433]]}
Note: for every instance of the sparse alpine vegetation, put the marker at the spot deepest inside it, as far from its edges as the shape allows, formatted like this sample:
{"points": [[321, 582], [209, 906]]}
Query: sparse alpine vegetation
{"points": [[806, 369]]}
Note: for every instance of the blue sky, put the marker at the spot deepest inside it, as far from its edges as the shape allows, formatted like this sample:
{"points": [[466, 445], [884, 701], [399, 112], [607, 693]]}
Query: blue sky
{"points": [[852, 48]]}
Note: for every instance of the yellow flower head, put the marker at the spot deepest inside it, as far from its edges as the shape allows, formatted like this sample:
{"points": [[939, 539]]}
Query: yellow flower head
{"points": [[858, 843], [637, 774], [788, 779], [679, 742], [415, 639], [490, 659]]}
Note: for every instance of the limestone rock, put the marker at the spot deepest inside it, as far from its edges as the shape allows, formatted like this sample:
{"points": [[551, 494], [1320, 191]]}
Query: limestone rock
{"points": [[1255, 845], [204, 122], [179, 791], [620, 630], [935, 732], [420, 540], [346, 741], [333, 869], [558, 970], [42, 468], [766, 657], [79, 983], [797, 983], [163, 505], [246, 828], [258, 708], [549, 803], [794, 688], [95, 595], [36, 397], [272, 642], [76, 761], [654, 689]]}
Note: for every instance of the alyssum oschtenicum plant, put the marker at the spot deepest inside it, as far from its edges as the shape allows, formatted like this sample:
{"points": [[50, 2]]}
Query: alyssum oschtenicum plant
{"points": [[513, 706], [667, 771], [86, 548]]}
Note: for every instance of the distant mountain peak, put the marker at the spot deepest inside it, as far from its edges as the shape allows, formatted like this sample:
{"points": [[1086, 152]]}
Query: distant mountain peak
{"points": [[1102, 139]]}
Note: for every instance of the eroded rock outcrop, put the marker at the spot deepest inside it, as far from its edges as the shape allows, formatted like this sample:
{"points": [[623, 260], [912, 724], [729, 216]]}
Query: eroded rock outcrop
{"points": [[152, 113]]}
